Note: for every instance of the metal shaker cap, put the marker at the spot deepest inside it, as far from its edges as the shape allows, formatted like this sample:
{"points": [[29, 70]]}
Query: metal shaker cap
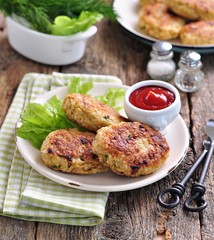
{"points": [[190, 58], [162, 48]]}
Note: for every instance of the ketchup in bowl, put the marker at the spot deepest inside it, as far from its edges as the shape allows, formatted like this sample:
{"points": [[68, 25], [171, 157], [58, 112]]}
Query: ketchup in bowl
{"points": [[152, 97], [153, 102]]}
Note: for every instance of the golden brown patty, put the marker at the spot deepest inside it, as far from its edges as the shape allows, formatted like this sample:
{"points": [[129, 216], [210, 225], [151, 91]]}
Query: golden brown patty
{"points": [[131, 148], [205, 9], [146, 2], [193, 9], [89, 113], [70, 151], [184, 8], [198, 33], [157, 22]]}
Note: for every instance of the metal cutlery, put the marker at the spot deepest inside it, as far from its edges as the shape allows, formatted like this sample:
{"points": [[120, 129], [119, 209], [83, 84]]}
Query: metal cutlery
{"points": [[177, 190], [198, 188]]}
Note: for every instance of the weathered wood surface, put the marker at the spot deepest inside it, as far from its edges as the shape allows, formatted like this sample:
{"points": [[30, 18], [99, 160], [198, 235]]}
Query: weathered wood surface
{"points": [[132, 214]]}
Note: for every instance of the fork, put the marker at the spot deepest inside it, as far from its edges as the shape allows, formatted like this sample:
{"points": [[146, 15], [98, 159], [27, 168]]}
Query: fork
{"points": [[198, 188]]}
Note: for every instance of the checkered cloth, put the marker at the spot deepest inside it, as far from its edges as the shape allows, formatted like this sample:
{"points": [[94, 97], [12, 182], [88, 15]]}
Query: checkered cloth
{"points": [[24, 193]]}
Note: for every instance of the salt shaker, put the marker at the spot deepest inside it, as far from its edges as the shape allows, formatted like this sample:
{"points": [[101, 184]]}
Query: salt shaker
{"points": [[161, 66], [189, 77]]}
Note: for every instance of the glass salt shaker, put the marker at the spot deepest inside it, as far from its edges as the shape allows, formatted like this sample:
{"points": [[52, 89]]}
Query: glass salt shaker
{"points": [[161, 66], [189, 77]]}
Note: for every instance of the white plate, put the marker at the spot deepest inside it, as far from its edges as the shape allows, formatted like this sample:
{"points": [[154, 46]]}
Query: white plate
{"points": [[128, 11], [177, 137]]}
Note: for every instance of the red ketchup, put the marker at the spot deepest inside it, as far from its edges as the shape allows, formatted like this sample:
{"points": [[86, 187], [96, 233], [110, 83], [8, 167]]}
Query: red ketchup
{"points": [[152, 98]]}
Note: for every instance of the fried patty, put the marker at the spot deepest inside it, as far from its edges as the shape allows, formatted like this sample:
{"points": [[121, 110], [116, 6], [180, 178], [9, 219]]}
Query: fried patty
{"points": [[131, 148], [70, 151], [146, 2], [205, 9], [193, 9], [198, 33], [89, 112], [156, 21], [184, 8]]}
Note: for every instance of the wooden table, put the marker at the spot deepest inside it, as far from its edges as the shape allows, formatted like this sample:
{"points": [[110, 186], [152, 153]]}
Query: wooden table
{"points": [[131, 214]]}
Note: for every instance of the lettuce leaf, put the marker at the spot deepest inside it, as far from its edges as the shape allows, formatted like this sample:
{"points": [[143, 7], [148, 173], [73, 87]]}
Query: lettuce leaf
{"points": [[64, 25], [40, 14], [113, 97], [38, 120], [76, 85]]}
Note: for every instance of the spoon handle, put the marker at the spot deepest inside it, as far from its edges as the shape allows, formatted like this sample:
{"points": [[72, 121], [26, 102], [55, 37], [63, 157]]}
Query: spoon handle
{"points": [[198, 190], [206, 163], [175, 193]]}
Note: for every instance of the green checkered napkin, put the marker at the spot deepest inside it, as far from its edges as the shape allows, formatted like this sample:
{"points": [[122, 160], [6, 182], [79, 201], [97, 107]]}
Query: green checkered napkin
{"points": [[24, 193]]}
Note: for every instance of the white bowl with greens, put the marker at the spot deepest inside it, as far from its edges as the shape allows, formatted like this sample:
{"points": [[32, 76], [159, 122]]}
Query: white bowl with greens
{"points": [[53, 32], [46, 48]]}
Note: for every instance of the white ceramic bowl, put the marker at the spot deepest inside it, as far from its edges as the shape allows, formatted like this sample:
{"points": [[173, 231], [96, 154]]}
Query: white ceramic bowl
{"points": [[158, 119], [46, 48]]}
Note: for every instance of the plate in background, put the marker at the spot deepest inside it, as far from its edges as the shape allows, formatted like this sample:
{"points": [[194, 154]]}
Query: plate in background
{"points": [[127, 11]]}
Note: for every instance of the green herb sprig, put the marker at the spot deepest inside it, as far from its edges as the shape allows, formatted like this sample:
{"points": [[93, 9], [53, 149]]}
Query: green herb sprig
{"points": [[41, 14]]}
